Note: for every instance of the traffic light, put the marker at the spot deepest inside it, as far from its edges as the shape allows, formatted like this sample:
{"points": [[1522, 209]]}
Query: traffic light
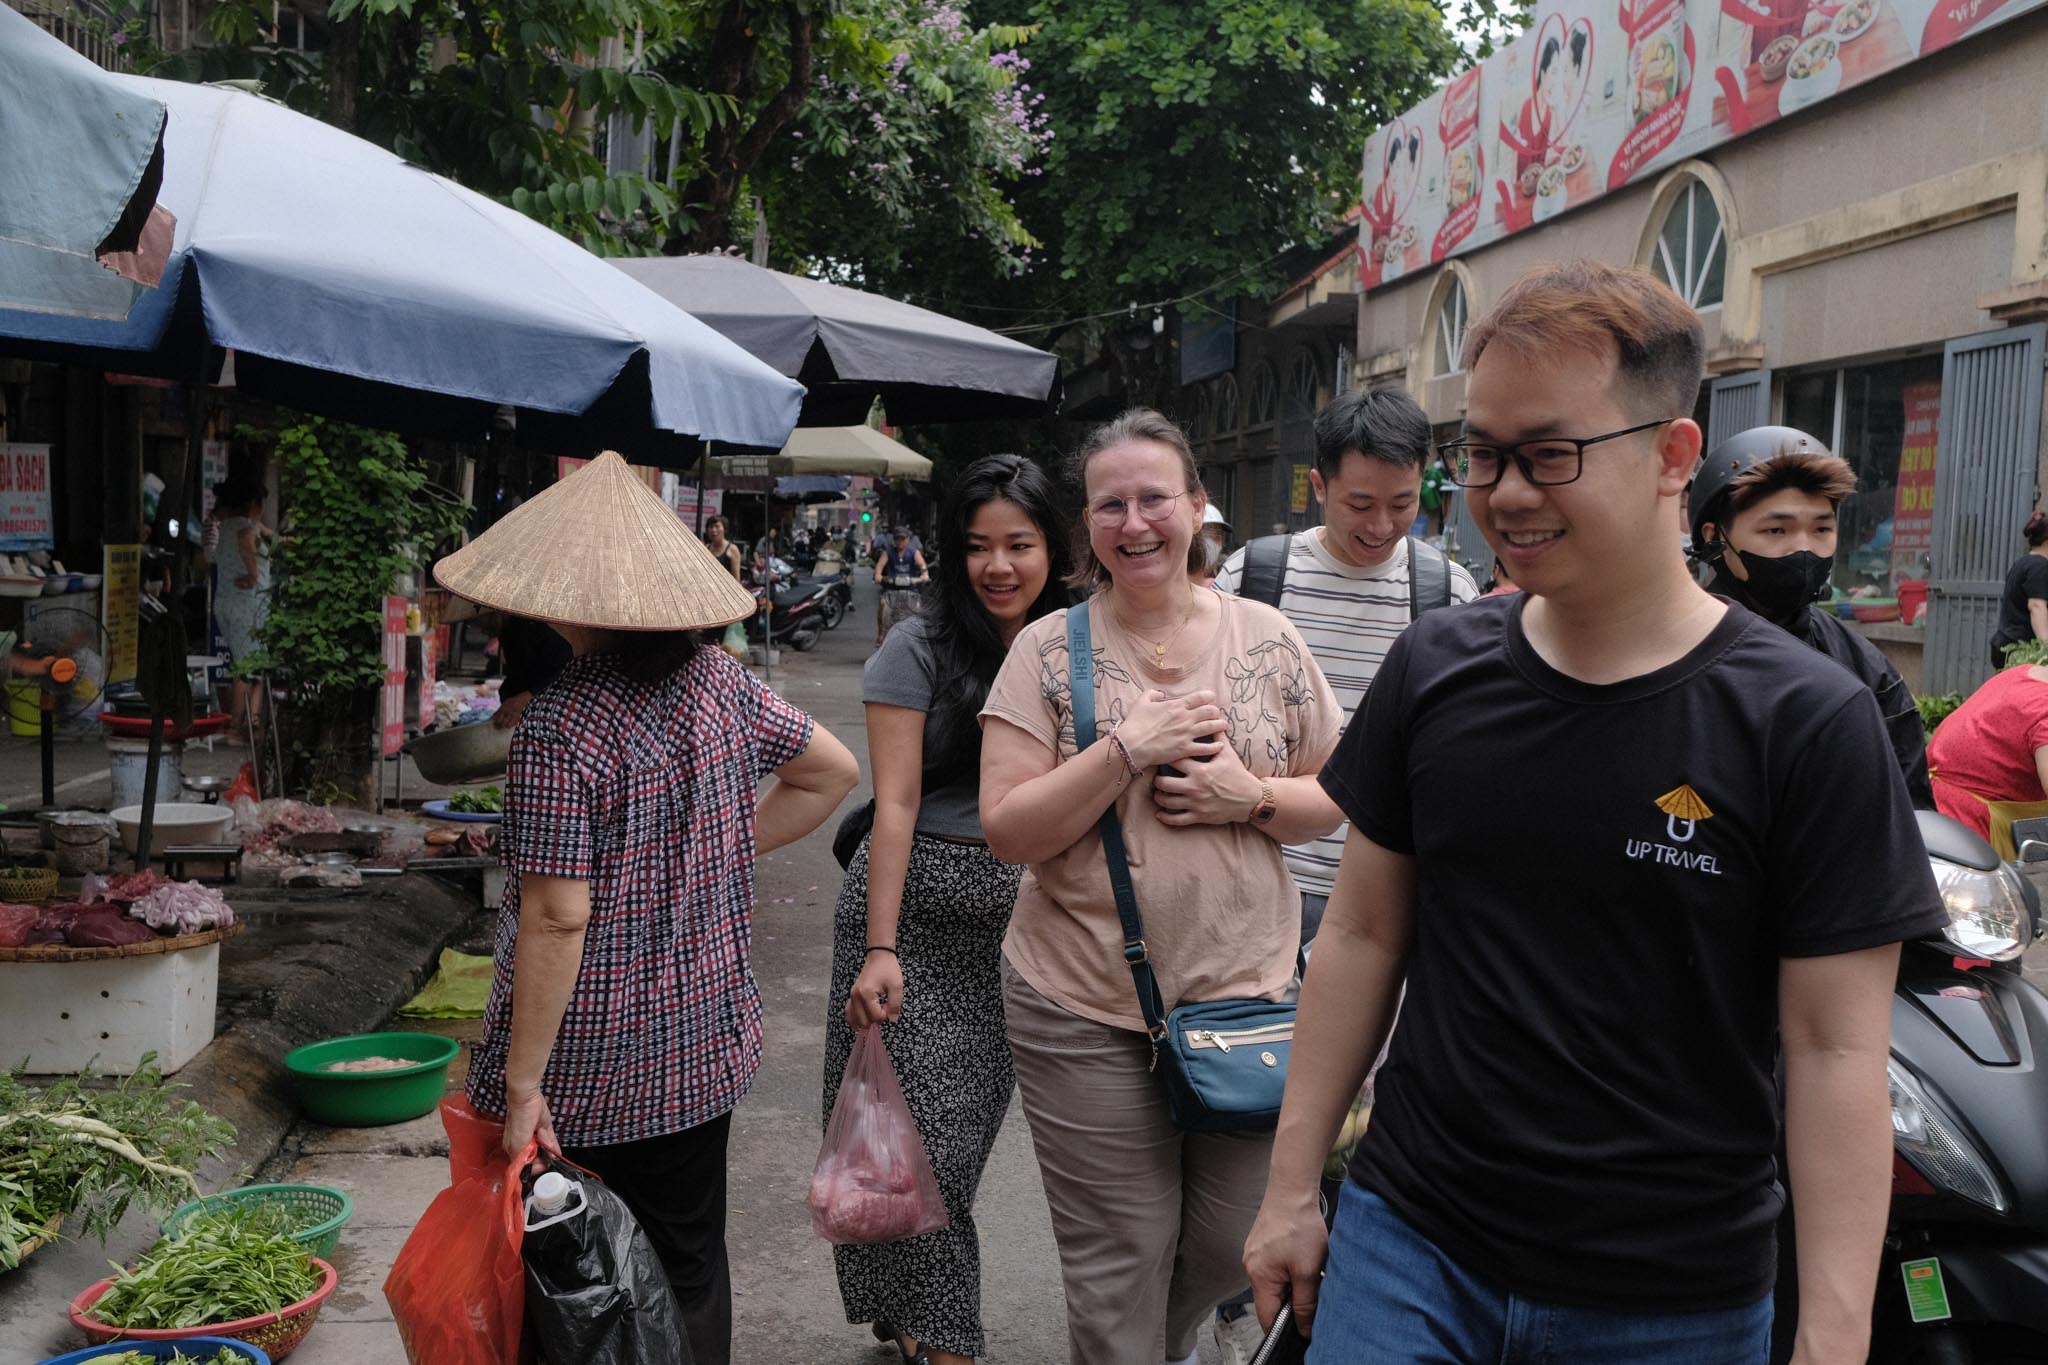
{"points": [[866, 517]]}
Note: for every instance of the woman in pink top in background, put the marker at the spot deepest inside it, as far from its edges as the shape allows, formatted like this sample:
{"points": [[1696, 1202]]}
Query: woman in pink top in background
{"points": [[1989, 759]]}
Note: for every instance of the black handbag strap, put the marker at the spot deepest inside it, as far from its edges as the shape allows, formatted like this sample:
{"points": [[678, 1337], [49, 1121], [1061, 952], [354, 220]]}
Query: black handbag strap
{"points": [[1264, 576], [1081, 687]]}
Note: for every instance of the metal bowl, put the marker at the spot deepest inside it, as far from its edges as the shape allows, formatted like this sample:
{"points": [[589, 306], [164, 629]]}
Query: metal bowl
{"points": [[466, 753]]}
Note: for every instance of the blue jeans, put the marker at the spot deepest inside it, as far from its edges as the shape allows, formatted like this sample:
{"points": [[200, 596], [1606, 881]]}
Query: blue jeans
{"points": [[1391, 1297]]}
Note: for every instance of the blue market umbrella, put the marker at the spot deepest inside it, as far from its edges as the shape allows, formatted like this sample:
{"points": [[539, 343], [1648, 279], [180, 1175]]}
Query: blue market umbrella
{"points": [[81, 157], [349, 283]]}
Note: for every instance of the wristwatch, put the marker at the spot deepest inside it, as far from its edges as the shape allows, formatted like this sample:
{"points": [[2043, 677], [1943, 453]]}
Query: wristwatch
{"points": [[1268, 807]]}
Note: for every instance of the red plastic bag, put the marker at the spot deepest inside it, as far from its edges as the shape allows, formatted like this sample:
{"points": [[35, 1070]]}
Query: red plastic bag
{"points": [[874, 1182], [244, 788], [458, 1288]]}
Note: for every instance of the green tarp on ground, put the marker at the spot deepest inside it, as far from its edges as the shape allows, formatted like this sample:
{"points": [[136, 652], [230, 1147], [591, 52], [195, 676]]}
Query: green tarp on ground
{"points": [[460, 985]]}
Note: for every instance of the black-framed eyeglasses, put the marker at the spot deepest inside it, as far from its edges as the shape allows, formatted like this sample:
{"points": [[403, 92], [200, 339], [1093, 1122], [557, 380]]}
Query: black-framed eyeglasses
{"points": [[1546, 463], [1106, 514]]}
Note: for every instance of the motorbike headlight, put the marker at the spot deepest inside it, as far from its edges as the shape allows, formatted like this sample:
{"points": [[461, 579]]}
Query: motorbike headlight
{"points": [[1934, 1142], [1987, 915]]}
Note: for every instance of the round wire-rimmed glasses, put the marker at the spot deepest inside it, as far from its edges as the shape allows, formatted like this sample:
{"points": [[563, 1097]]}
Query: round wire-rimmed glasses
{"points": [[1106, 514], [1546, 463]]}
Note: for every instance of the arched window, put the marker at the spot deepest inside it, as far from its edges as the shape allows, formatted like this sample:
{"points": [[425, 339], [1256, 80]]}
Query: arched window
{"points": [[1223, 414], [1450, 329], [1198, 415], [1301, 385], [1265, 398], [1691, 254]]}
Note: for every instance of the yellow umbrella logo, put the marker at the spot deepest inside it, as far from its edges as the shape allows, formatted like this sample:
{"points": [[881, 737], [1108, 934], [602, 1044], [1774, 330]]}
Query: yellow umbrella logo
{"points": [[1682, 805]]}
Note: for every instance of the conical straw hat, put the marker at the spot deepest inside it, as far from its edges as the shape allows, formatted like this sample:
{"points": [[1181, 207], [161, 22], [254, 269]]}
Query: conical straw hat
{"points": [[598, 549]]}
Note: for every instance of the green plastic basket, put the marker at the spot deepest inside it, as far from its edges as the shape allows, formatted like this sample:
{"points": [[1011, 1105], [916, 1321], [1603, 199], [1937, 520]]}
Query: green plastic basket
{"points": [[365, 1099], [323, 1208]]}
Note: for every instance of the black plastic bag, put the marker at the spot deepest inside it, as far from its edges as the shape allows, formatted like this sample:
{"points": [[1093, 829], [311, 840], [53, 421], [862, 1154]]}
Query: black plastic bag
{"points": [[596, 1293]]}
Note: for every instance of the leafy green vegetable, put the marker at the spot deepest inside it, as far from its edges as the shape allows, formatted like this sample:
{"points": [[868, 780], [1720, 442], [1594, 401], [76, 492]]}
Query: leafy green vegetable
{"points": [[222, 1268], [1935, 710], [226, 1355], [483, 801], [84, 1152]]}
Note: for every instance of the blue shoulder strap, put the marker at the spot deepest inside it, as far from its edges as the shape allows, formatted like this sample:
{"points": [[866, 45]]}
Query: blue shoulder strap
{"points": [[1081, 684]]}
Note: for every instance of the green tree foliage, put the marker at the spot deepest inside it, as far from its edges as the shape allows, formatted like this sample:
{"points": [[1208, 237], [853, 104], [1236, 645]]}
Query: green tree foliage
{"points": [[1198, 138], [909, 150], [361, 512]]}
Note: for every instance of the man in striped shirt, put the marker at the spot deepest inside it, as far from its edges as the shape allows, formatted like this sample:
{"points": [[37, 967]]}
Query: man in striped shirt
{"points": [[1347, 586]]}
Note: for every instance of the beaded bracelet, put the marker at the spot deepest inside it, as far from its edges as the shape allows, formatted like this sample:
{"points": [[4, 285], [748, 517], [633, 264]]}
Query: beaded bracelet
{"points": [[1116, 742]]}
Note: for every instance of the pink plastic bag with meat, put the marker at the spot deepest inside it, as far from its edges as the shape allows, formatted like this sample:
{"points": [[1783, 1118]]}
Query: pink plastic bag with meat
{"points": [[874, 1182]]}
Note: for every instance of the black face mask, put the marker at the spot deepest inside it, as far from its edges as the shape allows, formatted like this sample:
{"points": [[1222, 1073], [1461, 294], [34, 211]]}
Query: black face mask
{"points": [[1780, 589]]}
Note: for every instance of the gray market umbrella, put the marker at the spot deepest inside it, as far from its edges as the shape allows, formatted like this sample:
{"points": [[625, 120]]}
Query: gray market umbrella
{"points": [[81, 157], [848, 346], [349, 283]]}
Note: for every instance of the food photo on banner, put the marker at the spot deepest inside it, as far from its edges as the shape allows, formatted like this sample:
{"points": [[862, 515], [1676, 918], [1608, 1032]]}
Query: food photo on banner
{"points": [[1463, 163]]}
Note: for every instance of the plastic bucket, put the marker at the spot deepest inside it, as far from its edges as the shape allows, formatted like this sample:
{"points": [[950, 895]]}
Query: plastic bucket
{"points": [[24, 707], [1912, 599], [128, 766], [82, 848]]}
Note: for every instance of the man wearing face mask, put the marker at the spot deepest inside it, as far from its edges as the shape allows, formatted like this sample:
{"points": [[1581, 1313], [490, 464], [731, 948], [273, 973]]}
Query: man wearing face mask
{"points": [[1762, 509]]}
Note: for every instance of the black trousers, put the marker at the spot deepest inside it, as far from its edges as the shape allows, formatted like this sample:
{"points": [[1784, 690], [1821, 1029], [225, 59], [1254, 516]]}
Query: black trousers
{"points": [[675, 1187]]}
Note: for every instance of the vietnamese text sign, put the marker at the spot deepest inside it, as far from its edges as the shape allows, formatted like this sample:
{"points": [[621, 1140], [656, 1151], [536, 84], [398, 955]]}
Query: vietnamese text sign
{"points": [[1598, 94], [25, 497], [121, 608], [1913, 506]]}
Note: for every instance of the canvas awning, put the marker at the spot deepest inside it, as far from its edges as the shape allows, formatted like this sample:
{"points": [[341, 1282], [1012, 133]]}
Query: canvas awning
{"points": [[831, 450]]}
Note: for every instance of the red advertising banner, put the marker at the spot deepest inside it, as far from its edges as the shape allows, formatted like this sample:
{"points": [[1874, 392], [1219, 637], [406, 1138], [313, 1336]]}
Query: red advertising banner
{"points": [[394, 674], [1913, 506], [1660, 67], [1464, 165]]}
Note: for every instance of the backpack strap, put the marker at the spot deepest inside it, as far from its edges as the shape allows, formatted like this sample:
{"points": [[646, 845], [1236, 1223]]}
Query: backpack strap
{"points": [[1265, 569], [1429, 577], [1081, 687]]}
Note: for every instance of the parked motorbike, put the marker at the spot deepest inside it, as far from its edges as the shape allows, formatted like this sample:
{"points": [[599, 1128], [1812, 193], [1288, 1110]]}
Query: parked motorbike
{"points": [[838, 583], [1964, 1272], [798, 615]]}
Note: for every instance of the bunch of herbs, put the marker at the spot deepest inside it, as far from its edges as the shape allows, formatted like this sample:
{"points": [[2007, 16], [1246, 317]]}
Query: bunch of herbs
{"points": [[222, 1267], [85, 1152]]}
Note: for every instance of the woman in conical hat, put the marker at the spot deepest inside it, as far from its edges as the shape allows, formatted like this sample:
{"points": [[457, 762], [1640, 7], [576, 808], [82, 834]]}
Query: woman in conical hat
{"points": [[623, 1023]]}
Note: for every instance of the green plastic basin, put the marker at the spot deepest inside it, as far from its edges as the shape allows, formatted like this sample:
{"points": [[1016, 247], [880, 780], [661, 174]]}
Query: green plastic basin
{"points": [[365, 1099]]}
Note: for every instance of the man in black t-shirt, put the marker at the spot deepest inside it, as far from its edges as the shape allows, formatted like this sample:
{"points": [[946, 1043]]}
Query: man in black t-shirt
{"points": [[1621, 837]]}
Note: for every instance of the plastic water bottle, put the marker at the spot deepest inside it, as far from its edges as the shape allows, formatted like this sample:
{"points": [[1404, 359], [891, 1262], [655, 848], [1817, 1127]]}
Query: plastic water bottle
{"points": [[550, 1201]]}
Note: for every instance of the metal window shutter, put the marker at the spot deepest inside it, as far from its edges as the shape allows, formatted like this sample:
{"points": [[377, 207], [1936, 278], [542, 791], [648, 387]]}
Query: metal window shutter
{"points": [[1986, 458], [1738, 402]]}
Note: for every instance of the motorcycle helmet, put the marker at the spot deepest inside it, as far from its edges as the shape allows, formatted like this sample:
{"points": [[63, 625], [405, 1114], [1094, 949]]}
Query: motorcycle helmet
{"points": [[1742, 451]]}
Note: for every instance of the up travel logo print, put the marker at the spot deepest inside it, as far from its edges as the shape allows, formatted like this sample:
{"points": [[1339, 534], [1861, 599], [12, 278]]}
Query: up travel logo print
{"points": [[1684, 812]]}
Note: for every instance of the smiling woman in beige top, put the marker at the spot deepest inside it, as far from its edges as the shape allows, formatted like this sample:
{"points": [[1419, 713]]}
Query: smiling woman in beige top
{"points": [[1150, 1221]]}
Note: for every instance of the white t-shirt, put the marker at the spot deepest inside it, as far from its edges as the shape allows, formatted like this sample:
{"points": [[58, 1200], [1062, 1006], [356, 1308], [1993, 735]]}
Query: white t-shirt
{"points": [[1349, 616]]}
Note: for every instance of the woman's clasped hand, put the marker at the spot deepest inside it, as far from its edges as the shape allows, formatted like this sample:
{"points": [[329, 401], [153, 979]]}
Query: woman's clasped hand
{"points": [[1163, 729]]}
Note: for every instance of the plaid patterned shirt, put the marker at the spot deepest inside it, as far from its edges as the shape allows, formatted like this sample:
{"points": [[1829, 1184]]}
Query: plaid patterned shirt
{"points": [[647, 793]]}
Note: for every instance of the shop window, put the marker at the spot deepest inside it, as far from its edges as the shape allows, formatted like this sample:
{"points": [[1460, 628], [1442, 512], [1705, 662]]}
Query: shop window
{"points": [[1692, 254], [1882, 420], [1450, 330], [1264, 401], [1223, 415]]}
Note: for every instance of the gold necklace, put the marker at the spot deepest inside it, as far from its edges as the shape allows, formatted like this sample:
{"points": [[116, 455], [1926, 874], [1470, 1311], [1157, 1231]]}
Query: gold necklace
{"points": [[1159, 647]]}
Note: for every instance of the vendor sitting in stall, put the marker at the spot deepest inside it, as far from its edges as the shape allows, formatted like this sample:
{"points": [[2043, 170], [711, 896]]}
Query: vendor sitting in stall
{"points": [[1989, 759], [624, 1023]]}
